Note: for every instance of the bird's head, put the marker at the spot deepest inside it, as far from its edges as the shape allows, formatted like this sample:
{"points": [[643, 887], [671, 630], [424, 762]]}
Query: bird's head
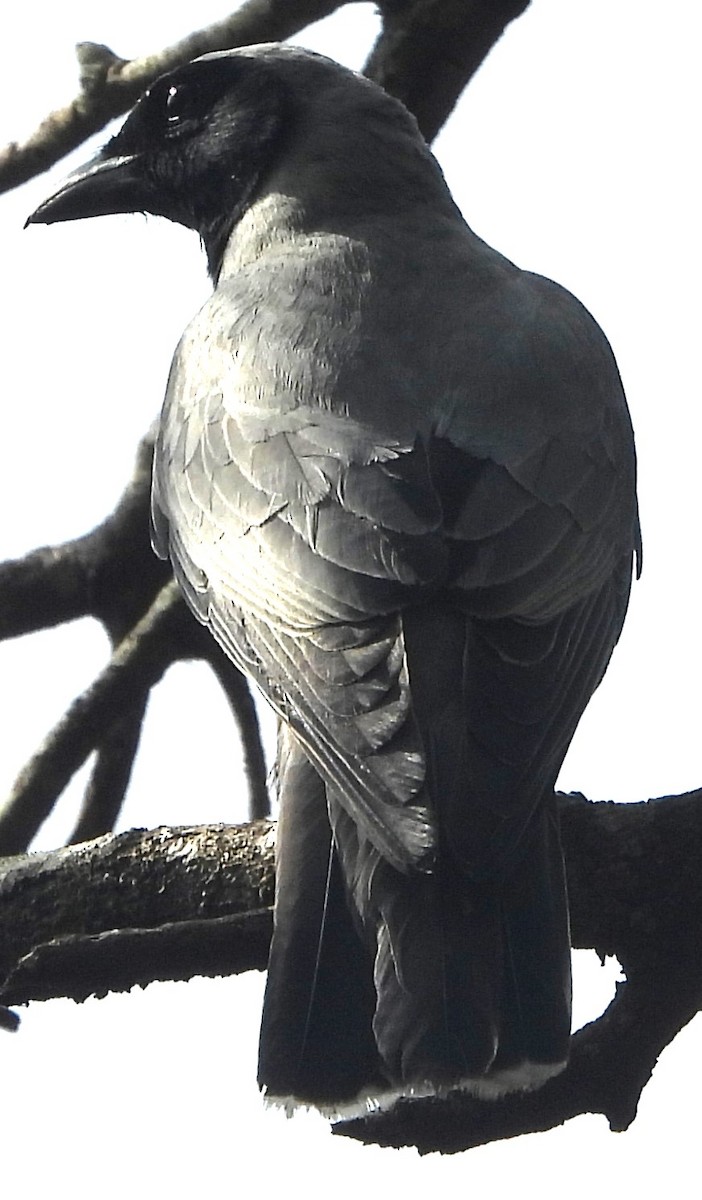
{"points": [[207, 139], [193, 149]]}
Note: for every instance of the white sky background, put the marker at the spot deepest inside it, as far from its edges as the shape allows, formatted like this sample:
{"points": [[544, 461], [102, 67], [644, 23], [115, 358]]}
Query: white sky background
{"points": [[574, 152]]}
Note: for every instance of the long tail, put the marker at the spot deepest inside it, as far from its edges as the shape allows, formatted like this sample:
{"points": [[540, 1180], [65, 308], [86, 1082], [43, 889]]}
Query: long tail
{"points": [[472, 981], [382, 983], [316, 1046]]}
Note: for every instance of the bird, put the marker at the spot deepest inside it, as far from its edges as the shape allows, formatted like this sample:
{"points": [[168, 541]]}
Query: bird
{"points": [[395, 476]]}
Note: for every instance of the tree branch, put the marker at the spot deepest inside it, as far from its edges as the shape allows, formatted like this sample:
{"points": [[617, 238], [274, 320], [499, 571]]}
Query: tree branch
{"points": [[175, 902], [109, 778], [110, 85], [429, 50], [241, 702], [136, 665], [611, 1061], [113, 575], [133, 908], [636, 893]]}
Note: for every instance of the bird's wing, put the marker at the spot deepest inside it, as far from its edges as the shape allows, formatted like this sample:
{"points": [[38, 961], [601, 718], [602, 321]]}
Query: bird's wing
{"points": [[543, 528], [297, 533], [305, 506]]}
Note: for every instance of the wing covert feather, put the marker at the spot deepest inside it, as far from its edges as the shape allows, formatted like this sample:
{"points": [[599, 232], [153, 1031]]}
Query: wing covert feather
{"points": [[319, 506]]}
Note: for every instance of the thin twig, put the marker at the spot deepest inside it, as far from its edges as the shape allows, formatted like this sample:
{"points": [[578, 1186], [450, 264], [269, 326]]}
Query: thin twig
{"points": [[110, 573], [109, 778], [241, 701], [136, 665], [110, 84]]}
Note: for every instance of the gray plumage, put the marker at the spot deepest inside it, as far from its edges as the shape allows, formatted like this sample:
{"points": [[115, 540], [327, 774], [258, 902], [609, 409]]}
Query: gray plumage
{"points": [[395, 476]]}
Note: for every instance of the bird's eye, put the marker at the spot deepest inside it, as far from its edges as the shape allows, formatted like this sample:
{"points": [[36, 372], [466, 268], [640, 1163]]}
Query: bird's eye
{"points": [[178, 100]]}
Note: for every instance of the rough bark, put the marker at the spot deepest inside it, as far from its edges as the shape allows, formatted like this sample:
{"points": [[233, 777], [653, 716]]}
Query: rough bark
{"points": [[133, 908], [172, 903]]}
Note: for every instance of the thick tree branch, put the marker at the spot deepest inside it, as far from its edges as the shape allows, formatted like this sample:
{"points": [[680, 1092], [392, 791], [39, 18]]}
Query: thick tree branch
{"points": [[175, 902], [133, 908], [633, 878], [429, 50]]}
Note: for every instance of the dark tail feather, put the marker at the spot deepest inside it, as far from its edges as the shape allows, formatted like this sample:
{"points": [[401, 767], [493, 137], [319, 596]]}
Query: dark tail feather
{"points": [[382, 983], [537, 995], [473, 980], [316, 1045]]}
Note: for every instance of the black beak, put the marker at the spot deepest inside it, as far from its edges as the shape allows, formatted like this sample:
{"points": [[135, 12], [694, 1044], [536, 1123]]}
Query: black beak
{"points": [[102, 186]]}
